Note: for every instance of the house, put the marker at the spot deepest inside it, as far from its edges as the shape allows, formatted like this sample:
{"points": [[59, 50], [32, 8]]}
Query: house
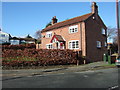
{"points": [[28, 39], [4, 37], [86, 33]]}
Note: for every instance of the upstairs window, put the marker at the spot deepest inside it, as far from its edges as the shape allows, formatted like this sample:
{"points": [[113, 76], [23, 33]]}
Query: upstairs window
{"points": [[73, 29], [2, 35], [103, 31], [48, 34], [73, 44], [98, 44]]}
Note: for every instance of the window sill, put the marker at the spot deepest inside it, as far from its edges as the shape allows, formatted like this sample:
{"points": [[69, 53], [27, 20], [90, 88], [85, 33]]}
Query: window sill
{"points": [[73, 48], [73, 32], [98, 47]]}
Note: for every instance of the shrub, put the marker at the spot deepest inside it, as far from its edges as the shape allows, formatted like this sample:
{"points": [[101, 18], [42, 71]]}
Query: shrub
{"points": [[37, 57], [21, 46]]}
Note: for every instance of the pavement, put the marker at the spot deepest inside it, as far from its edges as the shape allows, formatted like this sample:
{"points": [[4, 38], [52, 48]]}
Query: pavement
{"points": [[60, 69]]}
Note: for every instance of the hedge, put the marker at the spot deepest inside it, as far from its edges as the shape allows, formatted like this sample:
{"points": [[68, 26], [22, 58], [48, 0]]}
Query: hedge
{"points": [[21, 46], [37, 57]]}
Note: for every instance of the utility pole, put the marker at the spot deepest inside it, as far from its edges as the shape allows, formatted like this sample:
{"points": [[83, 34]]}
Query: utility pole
{"points": [[118, 26]]}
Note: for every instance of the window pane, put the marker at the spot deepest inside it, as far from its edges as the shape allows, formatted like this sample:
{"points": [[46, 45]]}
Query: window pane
{"points": [[70, 30], [98, 44], [73, 44], [3, 35], [103, 31], [69, 45], [75, 29], [77, 45]]}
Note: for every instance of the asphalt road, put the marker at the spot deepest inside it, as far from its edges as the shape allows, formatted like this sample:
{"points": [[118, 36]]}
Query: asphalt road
{"points": [[104, 78]]}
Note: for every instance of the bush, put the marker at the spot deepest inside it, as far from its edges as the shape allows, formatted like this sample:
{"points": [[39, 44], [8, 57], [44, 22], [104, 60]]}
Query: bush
{"points": [[21, 46], [37, 57]]}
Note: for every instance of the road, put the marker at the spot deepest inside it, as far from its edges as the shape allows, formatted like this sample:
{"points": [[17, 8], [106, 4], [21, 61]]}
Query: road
{"points": [[103, 78]]}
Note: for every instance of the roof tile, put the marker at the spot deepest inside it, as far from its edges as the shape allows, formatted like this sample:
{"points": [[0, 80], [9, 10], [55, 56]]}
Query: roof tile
{"points": [[67, 22]]}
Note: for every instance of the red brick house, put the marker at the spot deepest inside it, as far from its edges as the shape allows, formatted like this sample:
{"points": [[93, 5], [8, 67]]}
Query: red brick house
{"points": [[86, 33]]}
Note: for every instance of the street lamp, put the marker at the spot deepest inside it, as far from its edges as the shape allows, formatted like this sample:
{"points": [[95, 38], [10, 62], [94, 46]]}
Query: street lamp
{"points": [[118, 26]]}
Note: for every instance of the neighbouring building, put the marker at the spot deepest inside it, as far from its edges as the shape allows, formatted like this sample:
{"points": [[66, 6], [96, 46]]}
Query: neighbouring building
{"points": [[86, 33], [4, 37], [26, 40]]}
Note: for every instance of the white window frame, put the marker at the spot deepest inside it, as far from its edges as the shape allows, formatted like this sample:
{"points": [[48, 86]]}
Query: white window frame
{"points": [[48, 34], [99, 44], [70, 46], [103, 31], [49, 46], [73, 29]]}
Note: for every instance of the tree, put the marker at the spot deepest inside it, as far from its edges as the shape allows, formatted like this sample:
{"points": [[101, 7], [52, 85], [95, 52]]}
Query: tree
{"points": [[28, 36], [48, 24], [111, 33], [38, 34]]}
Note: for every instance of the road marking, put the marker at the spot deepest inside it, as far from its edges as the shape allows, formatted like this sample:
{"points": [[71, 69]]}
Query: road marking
{"points": [[85, 72], [29, 76], [112, 88], [39, 75], [17, 76], [85, 76]]}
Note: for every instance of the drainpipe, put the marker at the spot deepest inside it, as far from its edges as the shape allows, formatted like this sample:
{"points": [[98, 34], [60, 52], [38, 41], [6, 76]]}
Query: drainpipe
{"points": [[81, 35]]}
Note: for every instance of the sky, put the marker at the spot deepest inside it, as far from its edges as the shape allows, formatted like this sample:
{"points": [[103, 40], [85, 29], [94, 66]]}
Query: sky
{"points": [[22, 18]]}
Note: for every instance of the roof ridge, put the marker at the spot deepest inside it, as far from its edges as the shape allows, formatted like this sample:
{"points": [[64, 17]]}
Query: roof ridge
{"points": [[67, 21], [74, 18], [71, 19]]}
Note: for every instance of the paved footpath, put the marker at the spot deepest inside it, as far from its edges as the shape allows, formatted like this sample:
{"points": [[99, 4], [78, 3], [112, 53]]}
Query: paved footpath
{"points": [[26, 72]]}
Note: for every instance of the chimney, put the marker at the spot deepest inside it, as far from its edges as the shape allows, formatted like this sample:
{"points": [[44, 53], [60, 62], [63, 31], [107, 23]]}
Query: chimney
{"points": [[94, 8], [54, 20]]}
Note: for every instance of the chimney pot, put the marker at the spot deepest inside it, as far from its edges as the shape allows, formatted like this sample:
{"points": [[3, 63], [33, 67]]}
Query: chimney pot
{"points": [[54, 20], [94, 7]]}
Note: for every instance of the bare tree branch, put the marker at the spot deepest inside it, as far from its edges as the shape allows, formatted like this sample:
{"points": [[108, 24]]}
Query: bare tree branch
{"points": [[111, 33], [38, 34]]}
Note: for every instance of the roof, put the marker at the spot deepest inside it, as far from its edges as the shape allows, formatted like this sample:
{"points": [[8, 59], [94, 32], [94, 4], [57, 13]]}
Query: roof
{"points": [[68, 22], [58, 37], [1, 32], [26, 39]]}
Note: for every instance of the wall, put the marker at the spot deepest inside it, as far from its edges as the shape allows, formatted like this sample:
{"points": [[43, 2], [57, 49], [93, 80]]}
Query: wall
{"points": [[5, 38], [64, 32], [93, 34]]}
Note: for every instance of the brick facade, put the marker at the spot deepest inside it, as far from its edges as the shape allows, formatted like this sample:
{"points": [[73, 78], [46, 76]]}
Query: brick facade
{"points": [[89, 31]]}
